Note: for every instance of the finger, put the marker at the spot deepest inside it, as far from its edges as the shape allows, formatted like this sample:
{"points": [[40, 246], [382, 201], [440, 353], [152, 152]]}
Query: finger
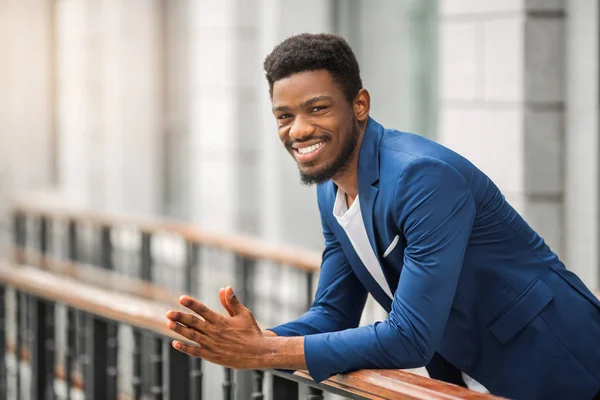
{"points": [[189, 333], [200, 309], [234, 303], [223, 299], [188, 320], [193, 351]]}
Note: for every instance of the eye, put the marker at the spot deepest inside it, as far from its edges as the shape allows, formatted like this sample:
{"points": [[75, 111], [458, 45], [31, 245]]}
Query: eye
{"points": [[283, 116], [317, 108]]}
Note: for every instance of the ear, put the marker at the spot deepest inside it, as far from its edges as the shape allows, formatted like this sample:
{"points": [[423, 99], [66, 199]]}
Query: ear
{"points": [[362, 105]]}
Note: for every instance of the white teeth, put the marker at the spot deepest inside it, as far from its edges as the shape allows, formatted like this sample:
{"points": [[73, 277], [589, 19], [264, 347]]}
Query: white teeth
{"points": [[309, 149]]}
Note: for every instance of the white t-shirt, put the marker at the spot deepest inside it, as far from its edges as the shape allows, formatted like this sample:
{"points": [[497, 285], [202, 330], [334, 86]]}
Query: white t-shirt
{"points": [[351, 220]]}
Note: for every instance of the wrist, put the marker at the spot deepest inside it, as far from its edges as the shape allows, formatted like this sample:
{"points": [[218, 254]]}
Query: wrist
{"points": [[283, 353]]}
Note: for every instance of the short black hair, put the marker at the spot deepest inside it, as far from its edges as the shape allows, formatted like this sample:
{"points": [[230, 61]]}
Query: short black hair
{"points": [[311, 52]]}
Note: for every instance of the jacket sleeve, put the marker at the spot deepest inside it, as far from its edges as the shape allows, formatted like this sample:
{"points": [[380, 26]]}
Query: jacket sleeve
{"points": [[435, 210], [340, 297]]}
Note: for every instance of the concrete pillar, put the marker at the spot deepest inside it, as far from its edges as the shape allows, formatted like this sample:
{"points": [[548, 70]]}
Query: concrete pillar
{"points": [[582, 197], [501, 100], [26, 102], [109, 105]]}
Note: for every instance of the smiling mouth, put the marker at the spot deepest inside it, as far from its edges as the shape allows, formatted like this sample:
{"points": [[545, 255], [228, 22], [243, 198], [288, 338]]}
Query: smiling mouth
{"points": [[307, 155], [310, 149]]}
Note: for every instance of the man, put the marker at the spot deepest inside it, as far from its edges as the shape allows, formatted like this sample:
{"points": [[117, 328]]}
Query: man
{"points": [[473, 293]]}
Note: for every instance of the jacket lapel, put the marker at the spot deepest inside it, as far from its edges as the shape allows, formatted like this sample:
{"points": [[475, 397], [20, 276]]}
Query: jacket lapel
{"points": [[368, 188]]}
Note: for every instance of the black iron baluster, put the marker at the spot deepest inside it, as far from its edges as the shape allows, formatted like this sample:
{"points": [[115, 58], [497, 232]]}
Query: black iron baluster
{"points": [[3, 369], [156, 361], [106, 249], [112, 347], [196, 376], [70, 352], [19, 340], [245, 270], [73, 241], [228, 385], [309, 289], [72, 356], [31, 333], [191, 275], [145, 271], [44, 357], [84, 352], [99, 360], [19, 236], [282, 388], [257, 387], [191, 263], [107, 342], [179, 374], [44, 225], [146, 257], [137, 365], [314, 394]]}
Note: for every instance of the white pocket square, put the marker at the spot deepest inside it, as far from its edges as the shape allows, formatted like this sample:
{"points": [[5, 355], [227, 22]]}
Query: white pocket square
{"points": [[391, 246]]}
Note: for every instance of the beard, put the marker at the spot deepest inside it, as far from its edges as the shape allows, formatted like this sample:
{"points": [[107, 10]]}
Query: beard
{"points": [[339, 164]]}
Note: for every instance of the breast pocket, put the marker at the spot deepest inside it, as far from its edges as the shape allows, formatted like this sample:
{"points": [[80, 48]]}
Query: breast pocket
{"points": [[392, 246]]}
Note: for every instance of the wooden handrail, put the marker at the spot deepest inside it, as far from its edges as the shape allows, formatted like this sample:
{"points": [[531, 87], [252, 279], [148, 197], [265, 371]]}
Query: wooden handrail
{"points": [[245, 246], [150, 315]]}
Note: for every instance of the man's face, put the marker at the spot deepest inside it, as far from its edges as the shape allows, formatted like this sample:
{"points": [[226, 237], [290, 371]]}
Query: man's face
{"points": [[316, 124]]}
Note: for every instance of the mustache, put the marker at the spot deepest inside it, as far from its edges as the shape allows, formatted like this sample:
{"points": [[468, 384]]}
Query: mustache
{"points": [[290, 143]]}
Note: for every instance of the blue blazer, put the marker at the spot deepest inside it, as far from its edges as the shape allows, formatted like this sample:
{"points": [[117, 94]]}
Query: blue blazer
{"points": [[475, 288]]}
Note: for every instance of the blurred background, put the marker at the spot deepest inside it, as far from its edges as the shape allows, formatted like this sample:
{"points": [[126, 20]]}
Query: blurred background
{"points": [[160, 107]]}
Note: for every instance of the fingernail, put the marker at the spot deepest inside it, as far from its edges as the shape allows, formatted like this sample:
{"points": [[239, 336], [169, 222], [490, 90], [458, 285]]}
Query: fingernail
{"points": [[177, 345], [185, 301], [171, 325]]}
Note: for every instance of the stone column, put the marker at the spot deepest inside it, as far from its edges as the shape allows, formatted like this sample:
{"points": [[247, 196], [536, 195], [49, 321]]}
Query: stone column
{"points": [[502, 102], [109, 104], [582, 150]]}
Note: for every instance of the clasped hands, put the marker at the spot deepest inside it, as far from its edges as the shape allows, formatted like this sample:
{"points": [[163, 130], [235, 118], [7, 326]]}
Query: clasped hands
{"points": [[235, 341]]}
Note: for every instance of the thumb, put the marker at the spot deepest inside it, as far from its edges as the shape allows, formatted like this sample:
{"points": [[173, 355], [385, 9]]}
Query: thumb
{"points": [[223, 299], [233, 302]]}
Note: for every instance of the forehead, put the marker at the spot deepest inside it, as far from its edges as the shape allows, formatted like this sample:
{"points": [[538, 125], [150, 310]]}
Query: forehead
{"points": [[304, 85]]}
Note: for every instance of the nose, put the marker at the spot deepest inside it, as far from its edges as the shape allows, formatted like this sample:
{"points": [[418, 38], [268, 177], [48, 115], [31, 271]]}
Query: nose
{"points": [[301, 129]]}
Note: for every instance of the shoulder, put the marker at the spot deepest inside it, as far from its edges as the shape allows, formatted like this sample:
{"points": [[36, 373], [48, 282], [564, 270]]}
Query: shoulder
{"points": [[403, 154]]}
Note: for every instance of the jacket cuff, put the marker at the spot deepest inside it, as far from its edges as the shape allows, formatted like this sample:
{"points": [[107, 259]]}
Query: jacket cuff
{"points": [[317, 361]]}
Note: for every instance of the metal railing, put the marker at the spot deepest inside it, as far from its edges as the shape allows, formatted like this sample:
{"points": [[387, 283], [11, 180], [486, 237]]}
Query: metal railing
{"points": [[146, 265]]}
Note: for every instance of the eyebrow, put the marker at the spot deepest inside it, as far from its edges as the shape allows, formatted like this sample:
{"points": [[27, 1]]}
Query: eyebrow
{"points": [[305, 103]]}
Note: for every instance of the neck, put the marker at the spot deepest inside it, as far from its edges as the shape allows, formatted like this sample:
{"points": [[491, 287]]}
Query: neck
{"points": [[347, 178]]}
